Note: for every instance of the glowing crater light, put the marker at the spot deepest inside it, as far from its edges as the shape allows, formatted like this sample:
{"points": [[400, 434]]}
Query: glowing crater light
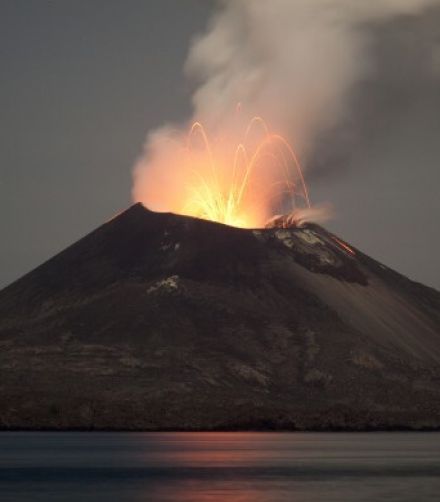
{"points": [[244, 185]]}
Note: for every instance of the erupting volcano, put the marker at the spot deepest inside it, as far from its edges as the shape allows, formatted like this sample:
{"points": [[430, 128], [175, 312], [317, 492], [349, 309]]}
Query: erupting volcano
{"points": [[225, 308], [243, 183]]}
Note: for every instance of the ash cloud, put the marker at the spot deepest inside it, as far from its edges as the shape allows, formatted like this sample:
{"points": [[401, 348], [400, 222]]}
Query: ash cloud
{"points": [[303, 65], [294, 62], [392, 121]]}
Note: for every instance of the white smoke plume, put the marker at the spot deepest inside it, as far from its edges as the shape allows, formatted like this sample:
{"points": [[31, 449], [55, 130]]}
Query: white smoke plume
{"points": [[294, 62]]}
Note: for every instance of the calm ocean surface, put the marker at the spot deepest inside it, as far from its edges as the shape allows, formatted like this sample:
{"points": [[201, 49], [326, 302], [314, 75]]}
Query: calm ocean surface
{"points": [[214, 467]]}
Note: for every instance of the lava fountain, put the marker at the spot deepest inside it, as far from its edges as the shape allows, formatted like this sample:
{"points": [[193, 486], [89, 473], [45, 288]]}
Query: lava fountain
{"points": [[240, 183]]}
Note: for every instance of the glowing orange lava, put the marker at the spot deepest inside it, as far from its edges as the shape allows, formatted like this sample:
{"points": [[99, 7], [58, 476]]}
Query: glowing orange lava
{"points": [[343, 245], [240, 182], [245, 184]]}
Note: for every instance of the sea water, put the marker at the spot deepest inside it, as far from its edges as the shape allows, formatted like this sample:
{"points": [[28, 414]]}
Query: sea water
{"points": [[219, 466]]}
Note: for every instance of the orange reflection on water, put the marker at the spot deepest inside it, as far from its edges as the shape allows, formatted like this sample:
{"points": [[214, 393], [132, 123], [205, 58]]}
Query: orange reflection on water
{"points": [[218, 467]]}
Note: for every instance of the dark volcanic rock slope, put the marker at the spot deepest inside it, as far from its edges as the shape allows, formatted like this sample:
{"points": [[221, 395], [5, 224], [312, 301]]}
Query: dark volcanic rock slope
{"points": [[157, 321]]}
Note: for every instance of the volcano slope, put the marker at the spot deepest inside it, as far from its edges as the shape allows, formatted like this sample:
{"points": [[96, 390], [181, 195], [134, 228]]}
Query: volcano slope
{"points": [[157, 321]]}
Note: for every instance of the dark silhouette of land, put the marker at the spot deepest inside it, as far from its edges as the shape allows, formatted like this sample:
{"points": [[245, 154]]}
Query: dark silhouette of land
{"points": [[157, 321]]}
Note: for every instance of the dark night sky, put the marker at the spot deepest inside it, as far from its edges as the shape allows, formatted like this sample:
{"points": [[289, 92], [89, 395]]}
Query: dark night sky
{"points": [[83, 81]]}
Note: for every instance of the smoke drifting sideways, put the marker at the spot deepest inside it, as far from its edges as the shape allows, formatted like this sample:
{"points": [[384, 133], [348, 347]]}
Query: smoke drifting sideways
{"points": [[293, 62]]}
